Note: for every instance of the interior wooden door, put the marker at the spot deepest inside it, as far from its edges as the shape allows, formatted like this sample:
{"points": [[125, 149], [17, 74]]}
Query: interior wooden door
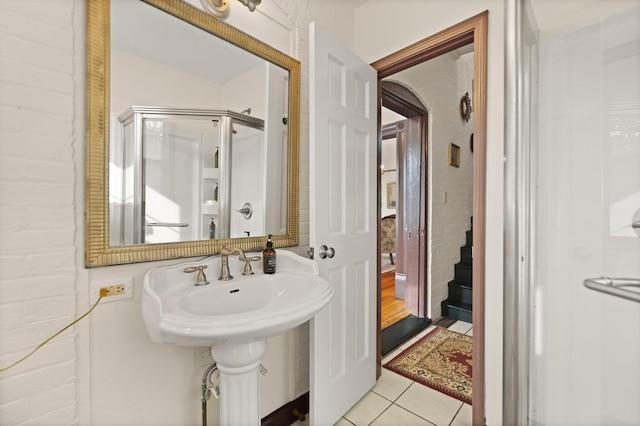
{"points": [[343, 204]]}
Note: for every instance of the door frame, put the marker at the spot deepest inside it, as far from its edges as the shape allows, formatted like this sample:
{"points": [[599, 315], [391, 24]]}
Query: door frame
{"points": [[472, 30], [400, 99]]}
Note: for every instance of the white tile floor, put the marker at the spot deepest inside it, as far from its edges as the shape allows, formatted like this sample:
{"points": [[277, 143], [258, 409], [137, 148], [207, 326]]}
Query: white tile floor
{"points": [[398, 401]]}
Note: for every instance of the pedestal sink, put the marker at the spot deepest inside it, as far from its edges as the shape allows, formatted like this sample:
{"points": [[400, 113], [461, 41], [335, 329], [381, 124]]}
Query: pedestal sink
{"points": [[234, 318]]}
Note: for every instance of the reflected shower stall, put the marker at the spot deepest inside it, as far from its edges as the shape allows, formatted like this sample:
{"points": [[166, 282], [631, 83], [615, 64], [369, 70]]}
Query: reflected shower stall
{"points": [[186, 174]]}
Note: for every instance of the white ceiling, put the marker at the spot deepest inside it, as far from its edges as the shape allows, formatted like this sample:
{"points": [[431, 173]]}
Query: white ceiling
{"points": [[554, 15], [142, 30]]}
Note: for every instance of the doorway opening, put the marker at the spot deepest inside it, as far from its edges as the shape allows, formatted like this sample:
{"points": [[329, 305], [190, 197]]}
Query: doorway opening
{"points": [[471, 31], [404, 188]]}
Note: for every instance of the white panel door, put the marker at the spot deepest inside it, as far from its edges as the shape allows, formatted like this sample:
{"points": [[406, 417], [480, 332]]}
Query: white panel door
{"points": [[343, 152]]}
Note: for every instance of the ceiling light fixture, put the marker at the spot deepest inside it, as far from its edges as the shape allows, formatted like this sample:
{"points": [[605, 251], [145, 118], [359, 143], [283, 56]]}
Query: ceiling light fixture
{"points": [[220, 8], [251, 4]]}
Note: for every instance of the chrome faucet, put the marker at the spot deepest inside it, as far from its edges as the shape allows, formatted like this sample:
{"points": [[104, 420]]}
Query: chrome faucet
{"points": [[225, 275]]}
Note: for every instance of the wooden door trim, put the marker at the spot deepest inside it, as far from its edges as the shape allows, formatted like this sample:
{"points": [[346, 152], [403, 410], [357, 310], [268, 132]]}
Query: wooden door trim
{"points": [[399, 98], [472, 30]]}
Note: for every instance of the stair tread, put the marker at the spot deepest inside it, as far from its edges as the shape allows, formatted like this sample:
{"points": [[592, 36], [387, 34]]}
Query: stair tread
{"points": [[455, 283], [460, 288], [458, 305]]}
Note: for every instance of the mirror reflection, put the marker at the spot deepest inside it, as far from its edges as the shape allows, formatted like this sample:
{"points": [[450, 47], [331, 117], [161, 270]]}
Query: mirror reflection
{"points": [[190, 138], [180, 188], [179, 174]]}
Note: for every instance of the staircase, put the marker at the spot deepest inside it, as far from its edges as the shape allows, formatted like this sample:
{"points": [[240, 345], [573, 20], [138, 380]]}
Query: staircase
{"points": [[458, 305]]}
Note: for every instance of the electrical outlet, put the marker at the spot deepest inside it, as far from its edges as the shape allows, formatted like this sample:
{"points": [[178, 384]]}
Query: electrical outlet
{"points": [[112, 290]]}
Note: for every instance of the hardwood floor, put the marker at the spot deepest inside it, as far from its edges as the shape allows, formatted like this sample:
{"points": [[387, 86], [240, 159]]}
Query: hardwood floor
{"points": [[393, 309]]}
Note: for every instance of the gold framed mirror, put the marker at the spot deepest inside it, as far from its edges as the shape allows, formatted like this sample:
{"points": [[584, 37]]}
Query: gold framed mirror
{"points": [[100, 247]]}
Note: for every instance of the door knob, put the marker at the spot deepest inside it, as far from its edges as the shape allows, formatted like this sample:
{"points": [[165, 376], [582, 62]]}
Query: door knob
{"points": [[326, 252]]}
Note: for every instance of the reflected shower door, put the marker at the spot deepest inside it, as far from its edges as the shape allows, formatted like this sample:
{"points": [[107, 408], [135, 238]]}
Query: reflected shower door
{"points": [[248, 166], [173, 152]]}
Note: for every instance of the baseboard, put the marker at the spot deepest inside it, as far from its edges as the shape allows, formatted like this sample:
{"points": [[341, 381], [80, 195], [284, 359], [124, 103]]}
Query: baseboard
{"points": [[401, 283], [284, 416]]}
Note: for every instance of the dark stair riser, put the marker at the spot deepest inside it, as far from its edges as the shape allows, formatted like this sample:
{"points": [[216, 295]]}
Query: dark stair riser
{"points": [[459, 292], [459, 304], [458, 311], [463, 273], [466, 255]]}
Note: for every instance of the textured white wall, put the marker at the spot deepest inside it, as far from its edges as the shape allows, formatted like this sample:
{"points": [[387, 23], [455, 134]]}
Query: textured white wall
{"points": [[38, 272]]}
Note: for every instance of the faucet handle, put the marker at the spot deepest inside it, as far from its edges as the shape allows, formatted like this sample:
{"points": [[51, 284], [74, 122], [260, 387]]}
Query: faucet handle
{"points": [[247, 264], [201, 278]]}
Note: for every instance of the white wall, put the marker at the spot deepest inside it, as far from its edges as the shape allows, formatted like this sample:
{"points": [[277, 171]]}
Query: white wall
{"points": [[38, 213], [246, 91], [409, 22], [276, 136], [137, 81]]}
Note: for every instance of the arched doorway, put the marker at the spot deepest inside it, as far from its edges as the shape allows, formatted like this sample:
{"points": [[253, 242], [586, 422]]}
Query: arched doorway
{"points": [[410, 214]]}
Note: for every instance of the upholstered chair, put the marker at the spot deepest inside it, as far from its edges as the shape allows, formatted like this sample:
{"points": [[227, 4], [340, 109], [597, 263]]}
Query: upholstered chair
{"points": [[388, 236]]}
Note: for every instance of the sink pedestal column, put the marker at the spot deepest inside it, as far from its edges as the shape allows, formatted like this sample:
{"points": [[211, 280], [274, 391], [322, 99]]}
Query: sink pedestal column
{"points": [[239, 367]]}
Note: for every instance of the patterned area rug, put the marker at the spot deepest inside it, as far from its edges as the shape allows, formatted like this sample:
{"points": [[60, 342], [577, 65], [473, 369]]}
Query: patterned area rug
{"points": [[385, 264], [387, 268], [440, 360]]}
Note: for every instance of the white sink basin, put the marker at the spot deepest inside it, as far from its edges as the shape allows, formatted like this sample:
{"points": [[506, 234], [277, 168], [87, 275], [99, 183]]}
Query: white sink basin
{"points": [[244, 309]]}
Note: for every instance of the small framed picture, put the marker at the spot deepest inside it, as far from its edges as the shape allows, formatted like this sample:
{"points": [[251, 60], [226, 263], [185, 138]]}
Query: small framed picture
{"points": [[454, 155], [391, 195]]}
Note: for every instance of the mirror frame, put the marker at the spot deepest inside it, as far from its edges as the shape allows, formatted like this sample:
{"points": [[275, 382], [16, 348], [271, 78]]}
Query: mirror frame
{"points": [[98, 251]]}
